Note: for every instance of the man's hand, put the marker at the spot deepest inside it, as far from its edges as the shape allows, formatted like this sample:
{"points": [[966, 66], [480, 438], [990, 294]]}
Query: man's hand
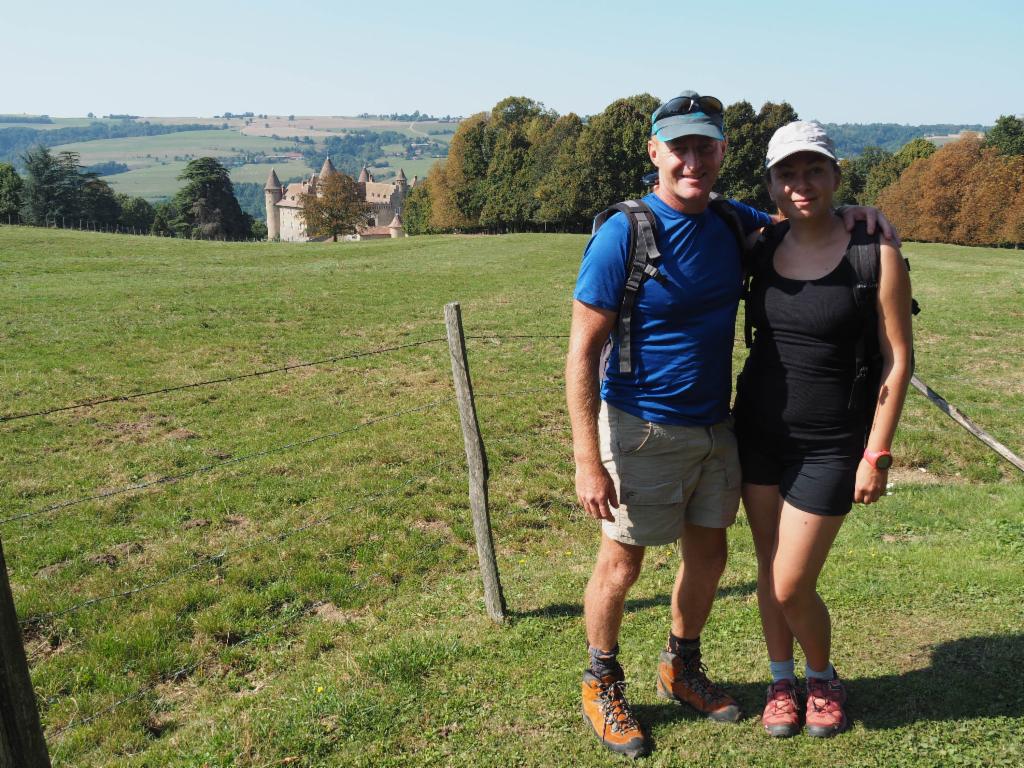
{"points": [[853, 213], [870, 483], [596, 491]]}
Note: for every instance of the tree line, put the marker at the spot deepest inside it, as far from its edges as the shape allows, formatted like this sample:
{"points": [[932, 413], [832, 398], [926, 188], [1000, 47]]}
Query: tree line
{"points": [[852, 139], [969, 192], [58, 191], [522, 167]]}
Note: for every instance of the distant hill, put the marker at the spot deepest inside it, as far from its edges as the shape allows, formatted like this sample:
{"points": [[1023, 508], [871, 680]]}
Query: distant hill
{"points": [[852, 138]]}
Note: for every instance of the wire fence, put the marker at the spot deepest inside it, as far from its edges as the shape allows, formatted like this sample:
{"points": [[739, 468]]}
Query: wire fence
{"points": [[38, 622], [82, 224]]}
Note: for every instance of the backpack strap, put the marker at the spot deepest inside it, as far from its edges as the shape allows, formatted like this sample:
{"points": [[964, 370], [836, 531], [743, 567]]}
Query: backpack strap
{"points": [[725, 211], [644, 258], [758, 259], [865, 257]]}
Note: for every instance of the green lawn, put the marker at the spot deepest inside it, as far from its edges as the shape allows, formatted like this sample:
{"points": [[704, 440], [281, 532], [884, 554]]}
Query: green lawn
{"points": [[319, 605]]}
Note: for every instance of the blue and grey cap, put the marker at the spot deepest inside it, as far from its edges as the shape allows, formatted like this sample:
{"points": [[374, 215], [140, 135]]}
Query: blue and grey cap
{"points": [[688, 114]]}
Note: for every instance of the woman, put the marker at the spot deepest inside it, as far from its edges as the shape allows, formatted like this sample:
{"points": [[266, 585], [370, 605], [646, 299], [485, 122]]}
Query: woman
{"points": [[801, 413]]}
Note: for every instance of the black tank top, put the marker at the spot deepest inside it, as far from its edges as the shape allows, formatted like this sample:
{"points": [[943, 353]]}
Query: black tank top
{"points": [[798, 377]]}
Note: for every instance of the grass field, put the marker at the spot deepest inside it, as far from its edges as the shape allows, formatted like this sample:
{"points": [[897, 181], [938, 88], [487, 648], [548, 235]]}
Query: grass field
{"points": [[319, 605], [418, 167], [141, 151], [157, 182]]}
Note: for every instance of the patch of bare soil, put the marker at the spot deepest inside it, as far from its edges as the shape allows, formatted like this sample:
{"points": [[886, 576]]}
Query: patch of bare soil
{"points": [[180, 433], [331, 613]]}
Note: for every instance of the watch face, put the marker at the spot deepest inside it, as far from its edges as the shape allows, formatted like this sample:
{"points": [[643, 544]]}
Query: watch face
{"points": [[884, 461]]}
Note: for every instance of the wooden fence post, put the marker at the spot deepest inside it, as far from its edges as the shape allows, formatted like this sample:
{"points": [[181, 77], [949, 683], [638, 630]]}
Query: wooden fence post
{"points": [[476, 458], [22, 744], [951, 410]]}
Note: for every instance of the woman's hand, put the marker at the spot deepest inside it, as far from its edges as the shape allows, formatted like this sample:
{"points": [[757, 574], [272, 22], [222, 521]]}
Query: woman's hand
{"points": [[870, 483]]}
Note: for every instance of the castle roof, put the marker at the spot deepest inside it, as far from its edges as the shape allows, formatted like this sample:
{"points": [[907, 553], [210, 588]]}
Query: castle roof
{"points": [[272, 181], [328, 169], [364, 175], [395, 222], [401, 174]]}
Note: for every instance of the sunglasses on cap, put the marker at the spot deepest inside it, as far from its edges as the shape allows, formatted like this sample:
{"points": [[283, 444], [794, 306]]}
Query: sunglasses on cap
{"points": [[686, 105]]}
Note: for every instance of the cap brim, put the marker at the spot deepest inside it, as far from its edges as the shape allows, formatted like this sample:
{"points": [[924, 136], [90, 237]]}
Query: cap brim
{"points": [[797, 150], [677, 127]]}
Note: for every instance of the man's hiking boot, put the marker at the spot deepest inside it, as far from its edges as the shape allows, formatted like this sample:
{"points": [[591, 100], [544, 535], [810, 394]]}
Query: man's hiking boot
{"points": [[781, 716], [688, 683], [826, 715], [608, 713]]}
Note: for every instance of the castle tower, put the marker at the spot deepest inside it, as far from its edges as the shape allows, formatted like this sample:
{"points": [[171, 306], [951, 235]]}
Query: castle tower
{"points": [[272, 194], [327, 170], [396, 228], [401, 182], [364, 175]]}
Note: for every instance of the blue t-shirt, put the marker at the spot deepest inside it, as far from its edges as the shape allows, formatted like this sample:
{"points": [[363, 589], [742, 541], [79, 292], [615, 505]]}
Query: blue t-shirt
{"points": [[683, 331]]}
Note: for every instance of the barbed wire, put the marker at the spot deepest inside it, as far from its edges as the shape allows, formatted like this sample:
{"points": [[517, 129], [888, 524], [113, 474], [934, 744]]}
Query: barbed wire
{"points": [[180, 673], [168, 479], [36, 621], [262, 372], [500, 337], [222, 380]]}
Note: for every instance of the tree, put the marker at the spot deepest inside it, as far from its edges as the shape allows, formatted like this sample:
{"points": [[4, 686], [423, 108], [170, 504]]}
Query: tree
{"points": [[259, 229], [52, 186], [1007, 136], [206, 206], [10, 193], [137, 213], [508, 198], [164, 215], [558, 190], [338, 208], [742, 175], [97, 201], [416, 211], [611, 154]]}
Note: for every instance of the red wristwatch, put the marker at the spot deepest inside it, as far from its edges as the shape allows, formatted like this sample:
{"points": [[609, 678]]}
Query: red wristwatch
{"points": [[878, 459]]}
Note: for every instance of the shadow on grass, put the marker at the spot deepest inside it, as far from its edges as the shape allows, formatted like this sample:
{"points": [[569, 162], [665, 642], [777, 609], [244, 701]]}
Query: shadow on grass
{"points": [[969, 678], [572, 610]]}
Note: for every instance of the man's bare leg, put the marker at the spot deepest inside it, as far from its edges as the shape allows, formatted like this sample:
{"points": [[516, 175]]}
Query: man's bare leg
{"points": [[704, 552], [616, 570]]}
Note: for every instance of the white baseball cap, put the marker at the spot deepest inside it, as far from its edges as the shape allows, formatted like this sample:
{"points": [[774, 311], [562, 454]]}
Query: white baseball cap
{"points": [[799, 136]]}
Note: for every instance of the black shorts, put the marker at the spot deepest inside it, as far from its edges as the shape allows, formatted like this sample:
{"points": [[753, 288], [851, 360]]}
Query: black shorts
{"points": [[816, 477]]}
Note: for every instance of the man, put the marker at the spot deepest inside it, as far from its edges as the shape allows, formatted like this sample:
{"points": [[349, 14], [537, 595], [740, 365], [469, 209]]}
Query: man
{"points": [[655, 453]]}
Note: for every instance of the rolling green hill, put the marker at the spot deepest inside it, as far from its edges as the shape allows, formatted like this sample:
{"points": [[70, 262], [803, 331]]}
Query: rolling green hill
{"points": [[296, 583]]}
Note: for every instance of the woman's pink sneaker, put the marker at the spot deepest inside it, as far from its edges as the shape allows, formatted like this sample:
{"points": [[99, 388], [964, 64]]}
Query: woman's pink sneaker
{"points": [[781, 716], [825, 713]]}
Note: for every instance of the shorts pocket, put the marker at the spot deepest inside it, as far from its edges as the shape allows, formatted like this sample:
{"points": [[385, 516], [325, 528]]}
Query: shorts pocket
{"points": [[630, 433], [651, 494]]}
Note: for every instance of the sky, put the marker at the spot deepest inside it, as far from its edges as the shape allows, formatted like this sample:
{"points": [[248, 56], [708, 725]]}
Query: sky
{"points": [[868, 61]]}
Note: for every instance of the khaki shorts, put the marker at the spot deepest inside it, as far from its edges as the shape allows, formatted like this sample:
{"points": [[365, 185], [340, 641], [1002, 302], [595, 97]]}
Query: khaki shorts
{"points": [[666, 476]]}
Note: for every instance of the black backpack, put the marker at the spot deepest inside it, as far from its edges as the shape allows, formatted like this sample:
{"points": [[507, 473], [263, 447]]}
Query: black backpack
{"points": [[644, 259], [865, 257]]}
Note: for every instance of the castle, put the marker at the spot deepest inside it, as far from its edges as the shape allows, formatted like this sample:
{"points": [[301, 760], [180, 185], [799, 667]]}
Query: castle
{"points": [[384, 203]]}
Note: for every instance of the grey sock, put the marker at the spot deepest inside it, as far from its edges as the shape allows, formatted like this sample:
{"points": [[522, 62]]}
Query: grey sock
{"points": [[782, 670], [828, 673]]}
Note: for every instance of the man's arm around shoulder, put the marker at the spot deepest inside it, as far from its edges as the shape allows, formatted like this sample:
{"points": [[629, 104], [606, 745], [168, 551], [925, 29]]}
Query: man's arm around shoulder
{"points": [[590, 328]]}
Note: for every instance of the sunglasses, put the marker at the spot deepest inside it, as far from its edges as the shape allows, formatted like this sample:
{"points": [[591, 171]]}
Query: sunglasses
{"points": [[685, 105]]}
